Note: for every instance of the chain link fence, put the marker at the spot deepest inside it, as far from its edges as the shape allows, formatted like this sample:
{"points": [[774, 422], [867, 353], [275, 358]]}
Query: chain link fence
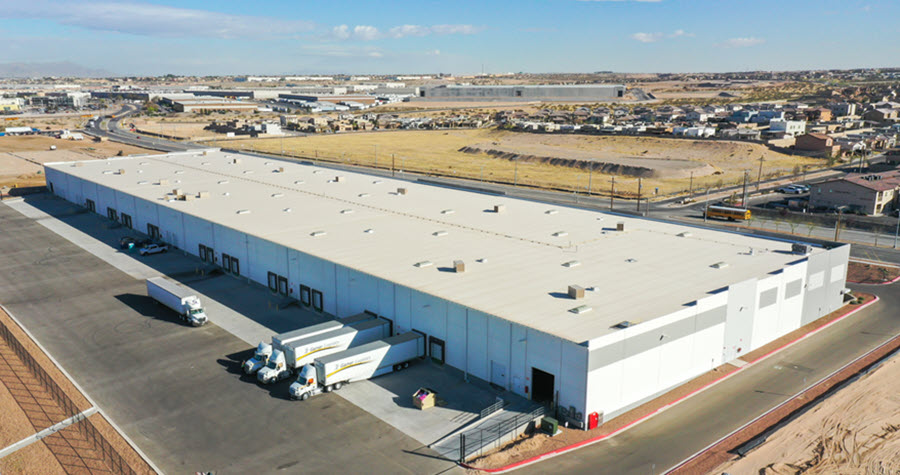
{"points": [[111, 457]]}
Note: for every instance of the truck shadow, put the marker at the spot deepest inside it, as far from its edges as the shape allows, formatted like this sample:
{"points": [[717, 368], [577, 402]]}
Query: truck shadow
{"points": [[148, 307]]}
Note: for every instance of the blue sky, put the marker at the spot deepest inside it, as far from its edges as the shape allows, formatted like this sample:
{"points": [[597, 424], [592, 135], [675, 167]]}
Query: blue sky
{"points": [[458, 37]]}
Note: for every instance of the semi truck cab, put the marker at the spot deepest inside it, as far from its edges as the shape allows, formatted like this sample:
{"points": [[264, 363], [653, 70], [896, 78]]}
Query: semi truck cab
{"points": [[195, 313], [306, 385], [259, 359], [275, 369]]}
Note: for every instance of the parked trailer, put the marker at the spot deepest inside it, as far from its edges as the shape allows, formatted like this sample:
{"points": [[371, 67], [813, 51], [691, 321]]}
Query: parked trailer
{"points": [[264, 350], [292, 356], [181, 299], [356, 364]]}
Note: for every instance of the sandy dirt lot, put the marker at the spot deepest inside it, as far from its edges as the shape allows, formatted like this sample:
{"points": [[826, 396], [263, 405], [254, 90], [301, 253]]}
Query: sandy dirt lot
{"points": [[862, 273], [855, 431], [715, 163], [20, 157]]}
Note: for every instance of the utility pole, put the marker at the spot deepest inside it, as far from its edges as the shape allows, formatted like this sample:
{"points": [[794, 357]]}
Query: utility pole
{"points": [[691, 188], [376, 156], [393, 162], [706, 213], [837, 225], [639, 195], [759, 176], [516, 173], [590, 177], [744, 198], [612, 193]]}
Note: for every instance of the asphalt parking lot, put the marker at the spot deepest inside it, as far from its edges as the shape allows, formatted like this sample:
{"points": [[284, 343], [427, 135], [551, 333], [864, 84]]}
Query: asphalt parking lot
{"points": [[176, 391]]}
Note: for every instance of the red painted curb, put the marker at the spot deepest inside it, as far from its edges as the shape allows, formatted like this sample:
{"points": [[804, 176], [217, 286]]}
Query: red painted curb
{"points": [[601, 437], [876, 283]]}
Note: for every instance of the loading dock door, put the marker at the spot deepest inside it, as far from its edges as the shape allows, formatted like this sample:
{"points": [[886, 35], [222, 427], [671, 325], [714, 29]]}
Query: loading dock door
{"points": [[498, 374], [436, 349], [543, 383]]}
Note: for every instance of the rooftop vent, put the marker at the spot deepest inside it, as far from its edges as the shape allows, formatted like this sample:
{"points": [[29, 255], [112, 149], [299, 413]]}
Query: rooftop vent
{"points": [[499, 208], [369, 231], [571, 264], [145, 163], [223, 182], [623, 325], [580, 309], [268, 163], [205, 163], [560, 234], [236, 161], [316, 172], [551, 211], [107, 172], [801, 249], [226, 194], [377, 182], [401, 191], [447, 211], [179, 172], [576, 292], [287, 210], [482, 260], [685, 234], [243, 211], [78, 164], [459, 267], [719, 265], [422, 264], [317, 233], [247, 172], [299, 182], [439, 233], [363, 195], [339, 179], [620, 226], [346, 211], [631, 260], [277, 195], [143, 182]]}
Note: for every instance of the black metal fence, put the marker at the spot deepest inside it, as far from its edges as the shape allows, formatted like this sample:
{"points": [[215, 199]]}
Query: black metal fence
{"points": [[477, 439], [491, 409], [113, 460]]}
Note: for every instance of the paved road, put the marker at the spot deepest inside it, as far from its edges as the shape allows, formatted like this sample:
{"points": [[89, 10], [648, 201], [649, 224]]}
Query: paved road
{"points": [[177, 391], [663, 441]]}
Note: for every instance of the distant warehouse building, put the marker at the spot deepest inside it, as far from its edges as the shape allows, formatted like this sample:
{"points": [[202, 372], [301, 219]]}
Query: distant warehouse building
{"points": [[212, 104], [583, 92], [590, 311]]}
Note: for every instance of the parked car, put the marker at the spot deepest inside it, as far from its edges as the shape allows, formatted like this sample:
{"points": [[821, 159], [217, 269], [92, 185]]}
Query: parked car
{"points": [[153, 249], [805, 188], [127, 242], [790, 190]]}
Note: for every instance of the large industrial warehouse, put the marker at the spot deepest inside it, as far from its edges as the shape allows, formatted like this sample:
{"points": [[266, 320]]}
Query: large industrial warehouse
{"points": [[594, 311], [580, 92]]}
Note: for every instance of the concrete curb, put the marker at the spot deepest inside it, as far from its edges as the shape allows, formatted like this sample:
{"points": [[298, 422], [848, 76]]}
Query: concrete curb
{"points": [[599, 438], [9, 450], [83, 392]]}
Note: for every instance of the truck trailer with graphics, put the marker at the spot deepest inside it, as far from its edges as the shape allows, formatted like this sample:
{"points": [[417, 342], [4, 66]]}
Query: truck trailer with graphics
{"points": [[264, 350], [287, 358], [331, 372]]}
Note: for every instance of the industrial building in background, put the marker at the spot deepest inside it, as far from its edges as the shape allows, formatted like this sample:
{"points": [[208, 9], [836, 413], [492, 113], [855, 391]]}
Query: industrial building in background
{"points": [[581, 92], [593, 312]]}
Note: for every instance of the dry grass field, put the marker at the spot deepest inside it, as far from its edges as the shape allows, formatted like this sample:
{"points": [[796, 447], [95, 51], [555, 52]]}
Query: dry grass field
{"points": [[669, 161]]}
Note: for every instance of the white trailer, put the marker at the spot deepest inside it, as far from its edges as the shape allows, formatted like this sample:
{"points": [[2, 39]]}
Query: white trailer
{"points": [[287, 358], [264, 350], [356, 364], [181, 299]]}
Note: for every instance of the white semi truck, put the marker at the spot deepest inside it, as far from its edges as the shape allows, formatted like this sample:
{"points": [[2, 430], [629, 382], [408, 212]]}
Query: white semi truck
{"points": [[356, 364], [179, 298], [292, 356], [264, 350]]}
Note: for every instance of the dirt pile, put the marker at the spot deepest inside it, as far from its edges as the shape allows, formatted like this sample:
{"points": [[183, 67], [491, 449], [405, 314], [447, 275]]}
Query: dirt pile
{"points": [[600, 167]]}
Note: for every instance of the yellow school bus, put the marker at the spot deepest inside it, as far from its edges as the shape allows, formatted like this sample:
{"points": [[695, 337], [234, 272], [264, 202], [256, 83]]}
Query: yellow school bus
{"points": [[727, 212]]}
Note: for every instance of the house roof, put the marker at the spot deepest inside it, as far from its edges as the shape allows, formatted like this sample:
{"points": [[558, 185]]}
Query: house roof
{"points": [[875, 181]]}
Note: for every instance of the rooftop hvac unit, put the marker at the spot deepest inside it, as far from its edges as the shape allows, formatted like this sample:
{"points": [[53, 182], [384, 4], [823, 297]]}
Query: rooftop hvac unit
{"points": [[401, 191], [459, 267], [338, 179], [801, 249], [280, 169], [236, 161], [499, 208], [163, 182], [121, 171], [177, 191], [78, 164], [576, 292], [620, 226], [203, 194], [189, 197]]}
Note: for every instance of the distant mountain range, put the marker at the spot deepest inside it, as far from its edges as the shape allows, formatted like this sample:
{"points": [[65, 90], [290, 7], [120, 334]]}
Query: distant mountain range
{"points": [[38, 70]]}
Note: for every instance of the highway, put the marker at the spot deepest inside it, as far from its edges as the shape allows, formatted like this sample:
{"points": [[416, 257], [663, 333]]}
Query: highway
{"points": [[114, 133]]}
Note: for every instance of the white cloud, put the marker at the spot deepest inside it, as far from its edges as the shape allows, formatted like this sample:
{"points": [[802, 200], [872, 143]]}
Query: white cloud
{"points": [[436, 52], [647, 37], [375, 54], [680, 33], [155, 20], [365, 33], [419, 30], [341, 32], [743, 42]]}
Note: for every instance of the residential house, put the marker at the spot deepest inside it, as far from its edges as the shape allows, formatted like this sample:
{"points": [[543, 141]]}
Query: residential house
{"points": [[872, 194], [817, 143], [880, 115], [788, 127]]}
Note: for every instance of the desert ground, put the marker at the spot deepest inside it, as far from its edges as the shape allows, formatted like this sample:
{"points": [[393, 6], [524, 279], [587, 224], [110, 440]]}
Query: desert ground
{"points": [[544, 160], [855, 431], [21, 158]]}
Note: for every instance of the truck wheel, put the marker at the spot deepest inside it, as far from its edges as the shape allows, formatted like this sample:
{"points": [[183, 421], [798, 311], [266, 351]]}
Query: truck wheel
{"points": [[327, 389], [338, 386], [304, 396], [406, 365]]}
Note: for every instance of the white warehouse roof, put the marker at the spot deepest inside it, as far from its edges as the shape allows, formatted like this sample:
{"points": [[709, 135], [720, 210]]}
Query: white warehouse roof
{"points": [[519, 263]]}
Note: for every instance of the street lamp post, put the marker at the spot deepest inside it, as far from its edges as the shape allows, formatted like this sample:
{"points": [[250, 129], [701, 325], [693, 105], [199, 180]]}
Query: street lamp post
{"points": [[706, 212], [897, 231]]}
